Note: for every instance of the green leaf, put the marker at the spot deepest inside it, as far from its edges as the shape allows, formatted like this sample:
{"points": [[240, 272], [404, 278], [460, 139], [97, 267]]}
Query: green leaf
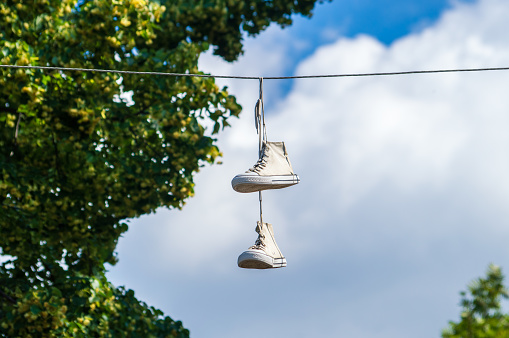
{"points": [[35, 309]]}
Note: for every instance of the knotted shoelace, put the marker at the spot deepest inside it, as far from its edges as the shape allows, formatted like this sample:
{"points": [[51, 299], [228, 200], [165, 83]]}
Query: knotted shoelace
{"points": [[259, 243]]}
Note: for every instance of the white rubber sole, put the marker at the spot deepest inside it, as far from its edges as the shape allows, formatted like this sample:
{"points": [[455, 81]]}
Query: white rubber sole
{"points": [[251, 259], [251, 183]]}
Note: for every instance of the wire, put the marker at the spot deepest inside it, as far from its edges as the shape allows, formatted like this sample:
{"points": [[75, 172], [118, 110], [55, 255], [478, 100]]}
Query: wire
{"points": [[389, 73], [129, 72], [257, 77]]}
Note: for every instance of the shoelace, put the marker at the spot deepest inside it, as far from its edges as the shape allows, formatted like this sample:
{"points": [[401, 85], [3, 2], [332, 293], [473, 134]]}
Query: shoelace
{"points": [[259, 243], [259, 165]]}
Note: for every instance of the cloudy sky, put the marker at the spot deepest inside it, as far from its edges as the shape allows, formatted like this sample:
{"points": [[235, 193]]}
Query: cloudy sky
{"points": [[404, 180]]}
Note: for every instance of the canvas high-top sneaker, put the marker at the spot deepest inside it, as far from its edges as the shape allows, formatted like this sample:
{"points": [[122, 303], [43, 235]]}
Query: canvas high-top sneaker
{"points": [[272, 171], [265, 254]]}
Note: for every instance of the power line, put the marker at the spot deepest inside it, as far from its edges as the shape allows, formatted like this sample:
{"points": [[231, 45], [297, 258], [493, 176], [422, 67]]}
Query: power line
{"points": [[258, 77], [388, 73], [129, 72]]}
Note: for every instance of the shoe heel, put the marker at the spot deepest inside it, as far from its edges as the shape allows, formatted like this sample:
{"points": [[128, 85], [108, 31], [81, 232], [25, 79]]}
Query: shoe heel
{"points": [[279, 262]]}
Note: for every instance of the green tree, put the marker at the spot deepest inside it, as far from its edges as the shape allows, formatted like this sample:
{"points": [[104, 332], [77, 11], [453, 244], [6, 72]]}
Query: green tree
{"points": [[482, 316], [77, 160]]}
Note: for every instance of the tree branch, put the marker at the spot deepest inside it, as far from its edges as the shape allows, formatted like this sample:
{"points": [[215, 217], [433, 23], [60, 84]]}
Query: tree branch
{"points": [[16, 133], [7, 110], [57, 158], [140, 113], [12, 207], [10, 299]]}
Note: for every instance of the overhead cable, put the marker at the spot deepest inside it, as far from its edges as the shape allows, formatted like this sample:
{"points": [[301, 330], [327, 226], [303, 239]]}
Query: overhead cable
{"points": [[258, 77], [67, 69]]}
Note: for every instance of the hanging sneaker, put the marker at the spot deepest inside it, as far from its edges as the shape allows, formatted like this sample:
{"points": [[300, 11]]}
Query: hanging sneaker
{"points": [[265, 254], [272, 171]]}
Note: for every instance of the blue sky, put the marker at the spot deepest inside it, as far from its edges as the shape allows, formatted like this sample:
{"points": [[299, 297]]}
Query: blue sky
{"points": [[387, 20], [403, 193]]}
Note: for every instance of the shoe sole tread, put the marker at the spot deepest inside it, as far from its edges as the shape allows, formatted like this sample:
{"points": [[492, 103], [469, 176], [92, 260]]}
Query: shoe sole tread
{"points": [[249, 183], [255, 260]]}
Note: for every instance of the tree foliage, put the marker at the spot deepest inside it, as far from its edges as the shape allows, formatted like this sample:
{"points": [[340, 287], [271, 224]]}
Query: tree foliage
{"points": [[482, 315], [78, 159]]}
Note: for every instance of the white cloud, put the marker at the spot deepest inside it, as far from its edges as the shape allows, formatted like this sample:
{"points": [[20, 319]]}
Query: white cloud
{"points": [[402, 200]]}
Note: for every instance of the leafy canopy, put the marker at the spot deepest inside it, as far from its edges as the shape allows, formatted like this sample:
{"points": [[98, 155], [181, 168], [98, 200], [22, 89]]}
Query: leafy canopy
{"points": [[482, 315], [78, 159]]}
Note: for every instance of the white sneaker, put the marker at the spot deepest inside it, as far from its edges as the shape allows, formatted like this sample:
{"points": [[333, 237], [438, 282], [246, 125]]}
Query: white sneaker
{"points": [[272, 171], [265, 254]]}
